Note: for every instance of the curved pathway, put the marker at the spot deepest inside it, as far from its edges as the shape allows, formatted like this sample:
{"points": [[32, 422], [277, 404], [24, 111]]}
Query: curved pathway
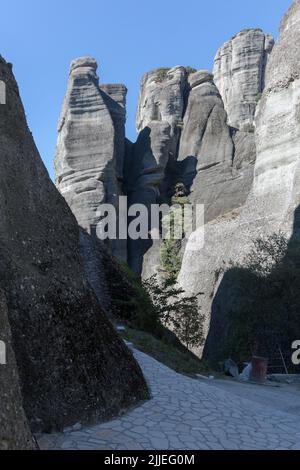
{"points": [[185, 414]]}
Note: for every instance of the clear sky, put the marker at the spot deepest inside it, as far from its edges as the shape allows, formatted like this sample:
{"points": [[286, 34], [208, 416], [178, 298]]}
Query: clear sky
{"points": [[127, 37]]}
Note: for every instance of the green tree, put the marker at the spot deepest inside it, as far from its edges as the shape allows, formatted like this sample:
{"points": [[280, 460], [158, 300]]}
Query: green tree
{"points": [[176, 310]]}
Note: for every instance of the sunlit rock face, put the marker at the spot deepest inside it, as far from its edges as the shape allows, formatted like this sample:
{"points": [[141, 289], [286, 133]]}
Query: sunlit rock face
{"points": [[162, 99], [274, 197], [215, 162], [91, 146], [239, 74]]}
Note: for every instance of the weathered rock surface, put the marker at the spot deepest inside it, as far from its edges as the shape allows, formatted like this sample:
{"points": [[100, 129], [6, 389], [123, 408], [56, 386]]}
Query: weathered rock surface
{"points": [[215, 163], [159, 122], [162, 98], [274, 198], [145, 170], [214, 160], [14, 430], [73, 367], [91, 146], [239, 74]]}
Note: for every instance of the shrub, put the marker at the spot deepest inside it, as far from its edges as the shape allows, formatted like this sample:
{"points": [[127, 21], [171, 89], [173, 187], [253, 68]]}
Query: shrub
{"points": [[135, 306], [161, 75], [190, 70], [177, 311], [171, 257]]}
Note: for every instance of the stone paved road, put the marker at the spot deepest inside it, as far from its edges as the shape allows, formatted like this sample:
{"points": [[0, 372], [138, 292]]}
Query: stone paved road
{"points": [[186, 414]]}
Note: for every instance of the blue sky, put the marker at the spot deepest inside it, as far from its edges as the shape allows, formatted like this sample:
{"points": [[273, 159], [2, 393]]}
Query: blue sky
{"points": [[127, 37]]}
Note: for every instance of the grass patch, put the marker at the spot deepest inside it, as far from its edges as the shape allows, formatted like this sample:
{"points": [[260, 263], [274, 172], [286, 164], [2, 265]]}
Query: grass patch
{"points": [[179, 360]]}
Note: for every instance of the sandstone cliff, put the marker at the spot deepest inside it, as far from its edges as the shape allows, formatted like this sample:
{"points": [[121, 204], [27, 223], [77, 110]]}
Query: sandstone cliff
{"points": [[194, 128], [211, 151], [274, 196], [239, 74], [91, 145], [72, 365], [220, 135]]}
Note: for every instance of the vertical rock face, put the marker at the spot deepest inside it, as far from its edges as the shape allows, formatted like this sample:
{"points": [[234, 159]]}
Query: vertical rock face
{"points": [[159, 122], [91, 145], [206, 149], [184, 137], [239, 71], [114, 96], [211, 152], [274, 198], [72, 365], [205, 132], [145, 170], [162, 98], [14, 430], [278, 120]]}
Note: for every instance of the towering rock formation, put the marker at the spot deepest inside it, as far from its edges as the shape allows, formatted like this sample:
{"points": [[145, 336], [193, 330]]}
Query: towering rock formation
{"points": [[91, 146], [199, 145], [162, 99], [274, 198], [145, 170], [14, 431], [239, 74], [72, 365], [212, 163], [90, 158], [277, 122], [159, 121], [195, 128], [185, 136]]}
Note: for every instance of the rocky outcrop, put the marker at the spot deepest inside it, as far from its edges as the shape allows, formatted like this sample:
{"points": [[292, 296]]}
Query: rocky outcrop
{"points": [[150, 162], [72, 365], [184, 137], [145, 170], [195, 128], [162, 99], [211, 144], [239, 74], [91, 146], [274, 197], [14, 430], [215, 162]]}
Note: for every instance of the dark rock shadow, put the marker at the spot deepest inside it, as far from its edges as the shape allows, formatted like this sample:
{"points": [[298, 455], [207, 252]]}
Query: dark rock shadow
{"points": [[228, 299], [142, 176]]}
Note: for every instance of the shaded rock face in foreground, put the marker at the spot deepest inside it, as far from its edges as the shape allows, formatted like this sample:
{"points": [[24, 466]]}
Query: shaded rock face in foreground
{"points": [[72, 365], [14, 430], [274, 196]]}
